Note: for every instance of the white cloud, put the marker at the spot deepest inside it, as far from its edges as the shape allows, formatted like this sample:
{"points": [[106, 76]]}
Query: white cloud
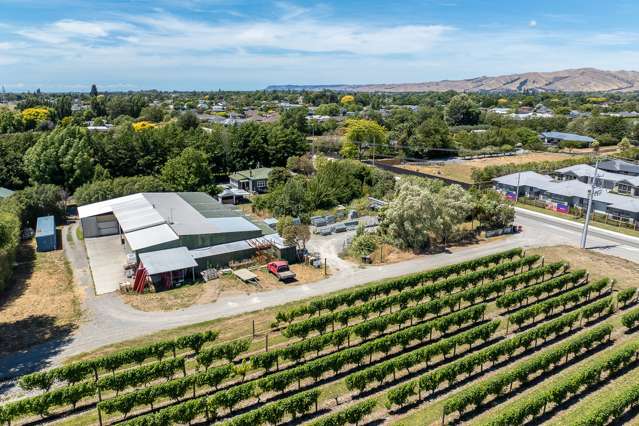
{"points": [[161, 50], [532, 23]]}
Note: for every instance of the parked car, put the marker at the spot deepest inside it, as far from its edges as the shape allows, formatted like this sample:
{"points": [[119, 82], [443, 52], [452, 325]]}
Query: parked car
{"points": [[280, 269]]}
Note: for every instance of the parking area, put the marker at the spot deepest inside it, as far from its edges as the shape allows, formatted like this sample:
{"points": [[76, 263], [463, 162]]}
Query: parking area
{"points": [[106, 258]]}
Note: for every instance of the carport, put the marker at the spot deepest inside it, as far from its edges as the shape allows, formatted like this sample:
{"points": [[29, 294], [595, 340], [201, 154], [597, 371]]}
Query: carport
{"points": [[168, 267], [107, 260]]}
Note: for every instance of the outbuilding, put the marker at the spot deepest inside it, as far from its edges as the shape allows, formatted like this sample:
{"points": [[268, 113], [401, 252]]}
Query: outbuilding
{"points": [[45, 233]]}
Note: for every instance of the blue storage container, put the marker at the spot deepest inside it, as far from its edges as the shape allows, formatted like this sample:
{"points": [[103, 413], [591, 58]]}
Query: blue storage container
{"points": [[45, 233]]}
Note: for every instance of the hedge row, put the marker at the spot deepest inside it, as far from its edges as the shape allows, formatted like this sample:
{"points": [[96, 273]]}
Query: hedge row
{"points": [[611, 408], [571, 279], [297, 351], [475, 394], [386, 287], [79, 371], [188, 411], [449, 373], [351, 415], [571, 384], [321, 323], [548, 306], [625, 296], [630, 319], [41, 404], [379, 372]]}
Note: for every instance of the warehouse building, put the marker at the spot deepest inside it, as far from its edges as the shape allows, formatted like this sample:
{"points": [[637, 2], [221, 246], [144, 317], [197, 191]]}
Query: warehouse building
{"points": [[176, 234]]}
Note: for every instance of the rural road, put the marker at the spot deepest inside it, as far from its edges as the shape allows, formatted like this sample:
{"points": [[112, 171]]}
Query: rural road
{"points": [[109, 320]]}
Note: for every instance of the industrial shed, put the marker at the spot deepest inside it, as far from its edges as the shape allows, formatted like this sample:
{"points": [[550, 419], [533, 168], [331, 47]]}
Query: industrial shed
{"points": [[148, 226]]}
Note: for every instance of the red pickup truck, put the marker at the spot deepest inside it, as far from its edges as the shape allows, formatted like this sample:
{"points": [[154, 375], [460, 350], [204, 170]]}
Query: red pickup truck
{"points": [[280, 269]]}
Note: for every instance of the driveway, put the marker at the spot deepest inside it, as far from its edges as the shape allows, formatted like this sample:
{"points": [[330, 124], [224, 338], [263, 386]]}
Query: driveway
{"points": [[106, 258], [109, 320]]}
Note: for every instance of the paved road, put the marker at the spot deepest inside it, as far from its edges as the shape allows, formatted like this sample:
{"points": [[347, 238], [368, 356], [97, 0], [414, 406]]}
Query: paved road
{"points": [[109, 320]]}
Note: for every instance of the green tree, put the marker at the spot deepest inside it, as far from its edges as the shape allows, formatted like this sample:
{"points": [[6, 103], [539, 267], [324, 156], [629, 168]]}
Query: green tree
{"points": [[348, 150], [293, 234], [189, 171], [94, 91], [328, 109], [282, 142], [105, 189], [62, 157], [277, 177], [10, 122], [365, 132], [431, 134], [295, 118], [40, 200], [188, 120], [300, 164], [461, 110], [63, 107], [492, 210], [410, 218], [152, 113], [453, 205]]}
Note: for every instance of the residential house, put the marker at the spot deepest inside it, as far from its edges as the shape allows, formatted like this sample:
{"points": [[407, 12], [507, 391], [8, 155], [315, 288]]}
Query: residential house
{"points": [[252, 180], [561, 195], [555, 138], [620, 167]]}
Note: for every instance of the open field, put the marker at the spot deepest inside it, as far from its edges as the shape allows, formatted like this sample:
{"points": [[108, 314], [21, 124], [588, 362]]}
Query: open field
{"points": [[461, 170], [40, 302], [454, 320]]}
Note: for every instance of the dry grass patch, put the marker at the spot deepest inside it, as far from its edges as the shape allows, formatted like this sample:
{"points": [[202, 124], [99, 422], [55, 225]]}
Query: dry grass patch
{"points": [[202, 293], [169, 300], [461, 171], [599, 265], [40, 302]]}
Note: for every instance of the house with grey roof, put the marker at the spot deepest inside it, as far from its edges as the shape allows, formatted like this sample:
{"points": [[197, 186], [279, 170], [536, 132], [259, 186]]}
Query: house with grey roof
{"points": [[620, 167], [616, 182], [555, 138], [572, 193]]}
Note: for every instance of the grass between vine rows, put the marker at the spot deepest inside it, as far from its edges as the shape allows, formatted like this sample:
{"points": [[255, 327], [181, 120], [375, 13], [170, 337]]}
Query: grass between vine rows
{"points": [[423, 416]]}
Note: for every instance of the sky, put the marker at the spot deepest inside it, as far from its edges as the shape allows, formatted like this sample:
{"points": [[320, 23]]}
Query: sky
{"points": [[66, 45]]}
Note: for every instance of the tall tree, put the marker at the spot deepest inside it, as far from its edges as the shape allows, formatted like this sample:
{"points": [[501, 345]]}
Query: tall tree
{"points": [[461, 110], [188, 172]]}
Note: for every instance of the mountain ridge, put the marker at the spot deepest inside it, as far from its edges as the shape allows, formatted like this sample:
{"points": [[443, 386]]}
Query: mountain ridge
{"points": [[568, 80]]}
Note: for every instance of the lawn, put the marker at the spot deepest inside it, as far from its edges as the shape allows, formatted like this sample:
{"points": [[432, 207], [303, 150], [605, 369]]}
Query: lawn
{"points": [[40, 303], [461, 170]]}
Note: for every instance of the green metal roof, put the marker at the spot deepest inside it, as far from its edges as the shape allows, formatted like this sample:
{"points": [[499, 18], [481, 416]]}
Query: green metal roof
{"points": [[252, 174]]}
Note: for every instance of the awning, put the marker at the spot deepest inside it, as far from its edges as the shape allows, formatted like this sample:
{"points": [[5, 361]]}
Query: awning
{"points": [[175, 259]]}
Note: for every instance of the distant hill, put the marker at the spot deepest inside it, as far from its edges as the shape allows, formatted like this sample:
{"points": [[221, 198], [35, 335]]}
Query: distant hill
{"points": [[571, 80]]}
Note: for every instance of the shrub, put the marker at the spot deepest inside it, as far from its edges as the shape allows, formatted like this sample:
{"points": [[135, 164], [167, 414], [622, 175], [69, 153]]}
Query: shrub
{"points": [[364, 244]]}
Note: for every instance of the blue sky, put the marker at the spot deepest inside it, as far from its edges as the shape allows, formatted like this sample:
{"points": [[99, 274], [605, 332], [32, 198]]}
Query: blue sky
{"points": [[61, 45]]}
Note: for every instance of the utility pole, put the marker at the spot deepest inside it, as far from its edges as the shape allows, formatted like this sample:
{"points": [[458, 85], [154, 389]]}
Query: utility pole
{"points": [[591, 193], [517, 192]]}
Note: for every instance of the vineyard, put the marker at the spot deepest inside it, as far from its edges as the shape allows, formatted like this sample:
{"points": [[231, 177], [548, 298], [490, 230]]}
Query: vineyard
{"points": [[502, 340]]}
